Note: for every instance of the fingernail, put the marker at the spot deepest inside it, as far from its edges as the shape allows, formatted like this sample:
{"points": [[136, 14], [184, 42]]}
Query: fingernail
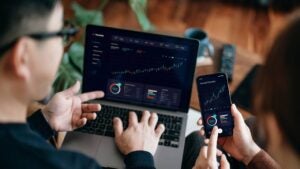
{"points": [[215, 128]]}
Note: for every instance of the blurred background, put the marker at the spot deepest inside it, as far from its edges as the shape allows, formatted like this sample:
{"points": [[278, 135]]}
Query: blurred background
{"points": [[248, 24]]}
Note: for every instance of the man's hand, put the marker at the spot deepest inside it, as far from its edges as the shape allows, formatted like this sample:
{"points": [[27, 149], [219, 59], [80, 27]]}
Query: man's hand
{"points": [[207, 158], [240, 145], [139, 136], [66, 111]]}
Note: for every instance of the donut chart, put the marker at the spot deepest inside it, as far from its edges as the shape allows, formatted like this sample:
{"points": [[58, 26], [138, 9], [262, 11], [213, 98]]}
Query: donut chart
{"points": [[212, 120], [115, 88]]}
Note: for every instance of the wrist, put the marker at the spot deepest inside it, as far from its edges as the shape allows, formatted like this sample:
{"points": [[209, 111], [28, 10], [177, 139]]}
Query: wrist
{"points": [[254, 149]]}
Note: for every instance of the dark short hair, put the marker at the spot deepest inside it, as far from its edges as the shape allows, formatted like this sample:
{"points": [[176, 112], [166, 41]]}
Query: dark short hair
{"points": [[277, 87], [20, 17]]}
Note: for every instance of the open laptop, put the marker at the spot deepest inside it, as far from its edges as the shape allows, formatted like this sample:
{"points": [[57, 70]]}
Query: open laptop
{"points": [[137, 71]]}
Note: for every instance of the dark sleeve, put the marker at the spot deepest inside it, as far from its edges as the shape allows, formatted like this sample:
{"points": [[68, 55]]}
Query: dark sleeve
{"points": [[75, 160], [263, 160], [39, 124], [139, 160]]}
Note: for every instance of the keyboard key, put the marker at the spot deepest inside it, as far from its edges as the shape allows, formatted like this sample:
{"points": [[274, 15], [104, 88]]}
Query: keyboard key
{"points": [[174, 145], [167, 143]]}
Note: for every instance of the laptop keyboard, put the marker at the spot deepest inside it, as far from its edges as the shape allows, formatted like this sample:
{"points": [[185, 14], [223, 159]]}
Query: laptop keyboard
{"points": [[103, 125]]}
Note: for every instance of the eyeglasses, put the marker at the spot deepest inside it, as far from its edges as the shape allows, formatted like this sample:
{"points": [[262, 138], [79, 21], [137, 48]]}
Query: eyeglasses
{"points": [[66, 33]]}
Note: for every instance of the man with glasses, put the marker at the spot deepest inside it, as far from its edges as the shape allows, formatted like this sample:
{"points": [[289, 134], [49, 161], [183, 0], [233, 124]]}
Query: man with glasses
{"points": [[31, 47]]}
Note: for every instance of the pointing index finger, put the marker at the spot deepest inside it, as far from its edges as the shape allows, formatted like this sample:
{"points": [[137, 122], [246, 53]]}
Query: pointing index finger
{"points": [[212, 145], [91, 96]]}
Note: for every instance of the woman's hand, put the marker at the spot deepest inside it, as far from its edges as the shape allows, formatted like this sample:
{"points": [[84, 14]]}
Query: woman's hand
{"points": [[207, 158], [240, 145]]}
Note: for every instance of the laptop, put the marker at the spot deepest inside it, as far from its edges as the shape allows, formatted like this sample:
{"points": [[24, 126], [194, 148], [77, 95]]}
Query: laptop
{"points": [[137, 71]]}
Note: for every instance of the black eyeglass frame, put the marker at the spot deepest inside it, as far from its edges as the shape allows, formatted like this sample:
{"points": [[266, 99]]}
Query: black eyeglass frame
{"points": [[65, 33]]}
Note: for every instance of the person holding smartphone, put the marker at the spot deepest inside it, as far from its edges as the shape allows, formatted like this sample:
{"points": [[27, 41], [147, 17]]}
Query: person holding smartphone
{"points": [[240, 146], [276, 105]]}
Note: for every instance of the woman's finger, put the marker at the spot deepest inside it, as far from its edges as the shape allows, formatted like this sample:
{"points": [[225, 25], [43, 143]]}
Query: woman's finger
{"points": [[206, 141], [212, 148], [201, 159], [202, 131], [200, 122], [224, 164]]}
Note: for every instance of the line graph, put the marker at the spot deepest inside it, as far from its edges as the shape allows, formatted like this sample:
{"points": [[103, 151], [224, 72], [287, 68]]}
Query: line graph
{"points": [[215, 96], [149, 70]]}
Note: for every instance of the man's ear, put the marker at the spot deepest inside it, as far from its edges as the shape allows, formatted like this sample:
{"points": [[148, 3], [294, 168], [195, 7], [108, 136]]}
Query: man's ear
{"points": [[17, 60]]}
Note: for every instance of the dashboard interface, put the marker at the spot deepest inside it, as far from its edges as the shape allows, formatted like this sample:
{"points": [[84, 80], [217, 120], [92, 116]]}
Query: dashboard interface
{"points": [[215, 103], [139, 68]]}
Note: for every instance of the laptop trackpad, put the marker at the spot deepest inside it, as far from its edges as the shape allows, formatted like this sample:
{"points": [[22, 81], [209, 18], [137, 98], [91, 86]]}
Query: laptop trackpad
{"points": [[82, 142], [108, 154]]}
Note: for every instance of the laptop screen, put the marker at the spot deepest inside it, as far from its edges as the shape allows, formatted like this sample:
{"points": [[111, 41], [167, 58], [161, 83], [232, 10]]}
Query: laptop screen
{"points": [[139, 68]]}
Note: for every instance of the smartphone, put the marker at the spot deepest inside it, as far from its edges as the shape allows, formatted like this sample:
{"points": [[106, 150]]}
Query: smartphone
{"points": [[243, 94], [215, 103]]}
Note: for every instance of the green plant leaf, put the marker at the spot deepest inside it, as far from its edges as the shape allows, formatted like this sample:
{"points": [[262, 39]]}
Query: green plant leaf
{"points": [[84, 16], [139, 7], [66, 75], [75, 53]]}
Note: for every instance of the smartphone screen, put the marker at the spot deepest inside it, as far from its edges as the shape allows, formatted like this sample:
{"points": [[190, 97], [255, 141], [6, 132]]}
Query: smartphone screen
{"points": [[215, 103]]}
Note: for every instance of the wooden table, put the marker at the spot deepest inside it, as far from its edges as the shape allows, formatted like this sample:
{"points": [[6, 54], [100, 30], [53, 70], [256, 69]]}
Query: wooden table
{"points": [[244, 61]]}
